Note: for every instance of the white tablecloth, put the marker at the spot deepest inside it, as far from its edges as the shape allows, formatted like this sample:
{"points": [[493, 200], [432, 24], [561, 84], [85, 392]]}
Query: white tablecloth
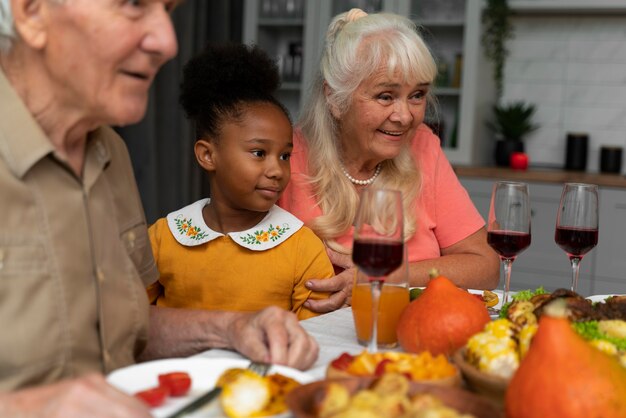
{"points": [[334, 333]]}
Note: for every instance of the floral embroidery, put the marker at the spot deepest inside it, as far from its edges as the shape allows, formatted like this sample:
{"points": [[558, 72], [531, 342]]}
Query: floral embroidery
{"points": [[273, 233], [186, 227]]}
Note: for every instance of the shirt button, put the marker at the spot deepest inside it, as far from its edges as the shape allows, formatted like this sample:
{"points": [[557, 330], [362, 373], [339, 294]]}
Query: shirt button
{"points": [[106, 356], [99, 275], [130, 238]]}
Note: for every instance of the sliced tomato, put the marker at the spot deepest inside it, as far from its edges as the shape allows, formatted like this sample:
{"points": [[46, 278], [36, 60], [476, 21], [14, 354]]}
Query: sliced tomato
{"points": [[343, 361], [154, 396], [177, 383], [380, 367]]}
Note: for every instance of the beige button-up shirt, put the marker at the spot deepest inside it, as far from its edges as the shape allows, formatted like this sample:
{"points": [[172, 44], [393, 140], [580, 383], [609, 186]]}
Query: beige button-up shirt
{"points": [[74, 255]]}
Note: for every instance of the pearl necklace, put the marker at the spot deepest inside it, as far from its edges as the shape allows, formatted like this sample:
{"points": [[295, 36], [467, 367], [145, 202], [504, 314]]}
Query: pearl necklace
{"points": [[361, 182]]}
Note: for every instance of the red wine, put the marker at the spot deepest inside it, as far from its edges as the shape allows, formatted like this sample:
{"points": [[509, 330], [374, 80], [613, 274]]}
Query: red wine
{"points": [[508, 243], [377, 258], [576, 242]]}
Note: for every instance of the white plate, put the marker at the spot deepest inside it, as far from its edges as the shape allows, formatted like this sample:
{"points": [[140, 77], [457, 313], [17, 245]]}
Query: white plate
{"points": [[599, 298], [497, 306], [204, 373]]}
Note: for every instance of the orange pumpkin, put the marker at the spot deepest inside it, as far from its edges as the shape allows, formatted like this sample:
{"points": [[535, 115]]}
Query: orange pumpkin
{"points": [[441, 319], [564, 376]]}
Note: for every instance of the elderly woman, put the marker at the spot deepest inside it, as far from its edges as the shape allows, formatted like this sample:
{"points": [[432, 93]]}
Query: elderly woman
{"points": [[363, 127], [74, 250]]}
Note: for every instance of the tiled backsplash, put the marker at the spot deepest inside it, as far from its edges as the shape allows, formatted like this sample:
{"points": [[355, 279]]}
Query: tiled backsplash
{"points": [[573, 68]]}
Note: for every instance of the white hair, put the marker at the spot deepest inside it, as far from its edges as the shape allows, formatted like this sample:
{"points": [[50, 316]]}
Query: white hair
{"points": [[7, 31]]}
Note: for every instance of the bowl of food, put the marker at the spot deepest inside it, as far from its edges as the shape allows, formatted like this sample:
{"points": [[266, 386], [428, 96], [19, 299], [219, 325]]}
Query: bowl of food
{"points": [[389, 396], [490, 385], [422, 367]]}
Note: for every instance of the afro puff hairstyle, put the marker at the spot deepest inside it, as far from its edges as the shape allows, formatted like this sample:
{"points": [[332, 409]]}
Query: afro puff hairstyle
{"points": [[222, 79]]}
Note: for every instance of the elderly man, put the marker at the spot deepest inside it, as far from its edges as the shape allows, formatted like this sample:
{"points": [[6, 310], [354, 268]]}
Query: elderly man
{"points": [[74, 252]]}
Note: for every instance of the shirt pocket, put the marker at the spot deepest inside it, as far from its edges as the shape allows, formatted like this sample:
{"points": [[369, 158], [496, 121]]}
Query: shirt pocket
{"points": [[137, 245], [20, 259], [29, 312]]}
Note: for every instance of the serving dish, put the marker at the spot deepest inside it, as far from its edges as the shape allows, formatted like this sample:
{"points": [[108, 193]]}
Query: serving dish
{"points": [[204, 373], [301, 401], [490, 386]]}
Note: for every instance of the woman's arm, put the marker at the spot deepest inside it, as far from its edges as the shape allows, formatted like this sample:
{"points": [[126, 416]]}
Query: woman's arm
{"points": [[470, 263]]}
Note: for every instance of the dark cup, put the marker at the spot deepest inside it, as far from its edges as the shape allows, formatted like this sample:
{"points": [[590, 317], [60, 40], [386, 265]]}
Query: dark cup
{"points": [[576, 154], [610, 159]]}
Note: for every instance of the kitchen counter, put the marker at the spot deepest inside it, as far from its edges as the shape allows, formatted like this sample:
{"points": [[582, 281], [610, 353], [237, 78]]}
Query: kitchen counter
{"points": [[542, 175]]}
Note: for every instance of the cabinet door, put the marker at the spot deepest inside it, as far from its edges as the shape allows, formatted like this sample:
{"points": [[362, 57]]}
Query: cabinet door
{"points": [[610, 268], [543, 263]]}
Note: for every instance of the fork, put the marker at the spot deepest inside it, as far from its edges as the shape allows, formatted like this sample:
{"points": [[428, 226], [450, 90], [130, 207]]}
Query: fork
{"points": [[257, 367]]}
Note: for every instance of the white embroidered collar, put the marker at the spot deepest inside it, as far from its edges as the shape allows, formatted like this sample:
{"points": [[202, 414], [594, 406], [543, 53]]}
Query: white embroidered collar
{"points": [[188, 227]]}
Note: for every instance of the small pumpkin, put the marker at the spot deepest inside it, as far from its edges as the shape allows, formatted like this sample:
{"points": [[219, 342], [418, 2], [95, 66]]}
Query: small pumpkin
{"points": [[564, 376], [441, 319]]}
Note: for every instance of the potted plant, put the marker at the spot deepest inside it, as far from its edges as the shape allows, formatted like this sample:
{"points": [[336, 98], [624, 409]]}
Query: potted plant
{"points": [[511, 124], [497, 29]]}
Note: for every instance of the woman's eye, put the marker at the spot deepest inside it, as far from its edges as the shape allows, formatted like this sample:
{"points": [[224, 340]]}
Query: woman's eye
{"points": [[385, 97], [418, 95], [134, 2]]}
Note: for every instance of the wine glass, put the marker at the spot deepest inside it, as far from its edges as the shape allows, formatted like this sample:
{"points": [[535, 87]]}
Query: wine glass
{"points": [[577, 223], [378, 247], [508, 230]]}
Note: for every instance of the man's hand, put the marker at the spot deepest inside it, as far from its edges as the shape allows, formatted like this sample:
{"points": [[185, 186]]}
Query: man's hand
{"points": [[273, 335], [340, 287], [89, 396]]}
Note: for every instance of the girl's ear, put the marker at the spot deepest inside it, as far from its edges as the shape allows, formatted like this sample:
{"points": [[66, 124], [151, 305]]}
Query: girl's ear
{"points": [[205, 154], [30, 17], [334, 110]]}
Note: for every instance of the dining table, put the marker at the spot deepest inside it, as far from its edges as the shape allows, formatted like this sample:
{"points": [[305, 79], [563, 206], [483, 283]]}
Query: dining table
{"points": [[334, 332]]}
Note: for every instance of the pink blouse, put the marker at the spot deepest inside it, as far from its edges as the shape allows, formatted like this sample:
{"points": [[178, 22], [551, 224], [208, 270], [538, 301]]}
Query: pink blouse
{"points": [[444, 212]]}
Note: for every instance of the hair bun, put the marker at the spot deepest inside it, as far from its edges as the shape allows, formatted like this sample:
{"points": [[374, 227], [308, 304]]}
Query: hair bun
{"points": [[355, 14]]}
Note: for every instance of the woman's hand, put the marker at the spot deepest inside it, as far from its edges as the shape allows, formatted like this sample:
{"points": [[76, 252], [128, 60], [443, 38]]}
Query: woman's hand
{"points": [[340, 287], [273, 335]]}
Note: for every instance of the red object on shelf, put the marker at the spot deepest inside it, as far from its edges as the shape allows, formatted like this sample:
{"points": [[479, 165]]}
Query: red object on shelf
{"points": [[519, 161]]}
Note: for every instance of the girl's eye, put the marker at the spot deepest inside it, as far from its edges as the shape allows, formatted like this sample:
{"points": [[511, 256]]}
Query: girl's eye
{"points": [[258, 153], [286, 156]]}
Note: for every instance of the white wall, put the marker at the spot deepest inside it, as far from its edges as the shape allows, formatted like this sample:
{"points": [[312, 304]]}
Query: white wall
{"points": [[573, 67]]}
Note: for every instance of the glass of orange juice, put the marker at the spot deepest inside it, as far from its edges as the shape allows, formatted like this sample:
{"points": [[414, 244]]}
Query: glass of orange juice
{"points": [[394, 298]]}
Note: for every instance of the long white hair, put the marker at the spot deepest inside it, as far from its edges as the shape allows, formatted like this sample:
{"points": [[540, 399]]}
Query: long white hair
{"points": [[7, 31], [354, 50]]}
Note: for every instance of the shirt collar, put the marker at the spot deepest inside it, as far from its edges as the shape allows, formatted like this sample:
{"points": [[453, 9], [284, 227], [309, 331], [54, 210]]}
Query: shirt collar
{"points": [[189, 229], [22, 141]]}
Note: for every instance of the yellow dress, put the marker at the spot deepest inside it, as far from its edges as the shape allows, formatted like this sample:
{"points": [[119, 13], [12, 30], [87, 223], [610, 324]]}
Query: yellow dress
{"points": [[239, 271]]}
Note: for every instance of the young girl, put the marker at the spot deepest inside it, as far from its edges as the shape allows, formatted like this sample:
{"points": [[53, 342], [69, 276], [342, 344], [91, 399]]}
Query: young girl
{"points": [[237, 250]]}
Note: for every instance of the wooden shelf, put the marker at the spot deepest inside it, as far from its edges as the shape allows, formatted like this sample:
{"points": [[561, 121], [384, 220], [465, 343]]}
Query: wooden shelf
{"points": [[524, 7], [542, 175]]}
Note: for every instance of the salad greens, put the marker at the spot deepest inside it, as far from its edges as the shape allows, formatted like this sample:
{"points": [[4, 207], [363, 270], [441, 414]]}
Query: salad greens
{"points": [[589, 331], [521, 295]]}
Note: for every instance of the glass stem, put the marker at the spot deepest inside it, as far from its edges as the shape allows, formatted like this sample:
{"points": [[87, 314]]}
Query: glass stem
{"points": [[507, 279], [376, 289], [575, 270]]}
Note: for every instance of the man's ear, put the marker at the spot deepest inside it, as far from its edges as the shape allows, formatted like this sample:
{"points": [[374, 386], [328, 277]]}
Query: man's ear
{"points": [[334, 110], [29, 18], [205, 154]]}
